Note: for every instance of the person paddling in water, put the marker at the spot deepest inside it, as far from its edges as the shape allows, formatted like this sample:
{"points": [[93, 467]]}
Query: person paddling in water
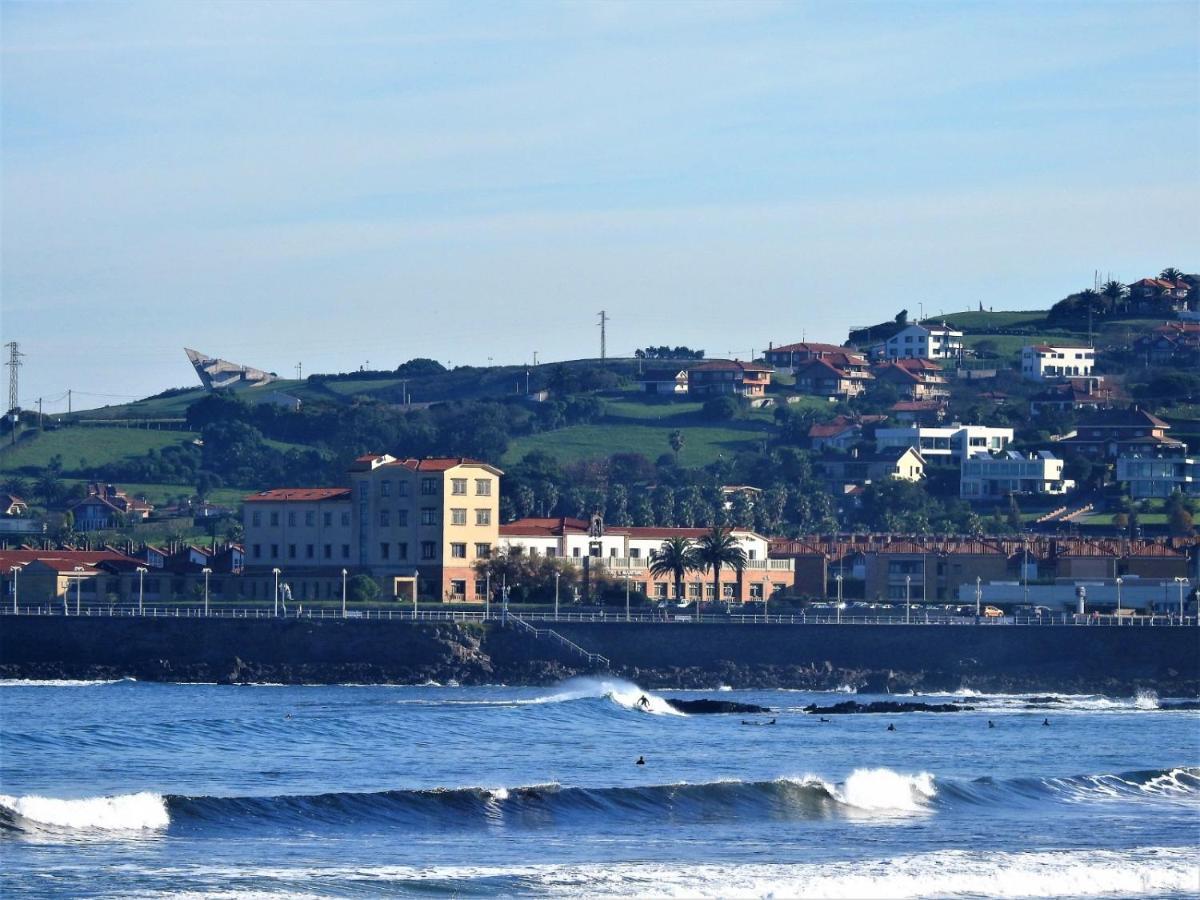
{"points": [[641, 761], [643, 702]]}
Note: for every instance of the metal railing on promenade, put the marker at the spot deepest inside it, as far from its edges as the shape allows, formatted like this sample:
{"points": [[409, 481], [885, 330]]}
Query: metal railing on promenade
{"points": [[645, 617], [539, 633]]}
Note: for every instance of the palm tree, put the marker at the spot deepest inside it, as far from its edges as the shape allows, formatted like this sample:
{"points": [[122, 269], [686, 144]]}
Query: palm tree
{"points": [[1115, 292], [675, 557], [719, 548], [1170, 274]]}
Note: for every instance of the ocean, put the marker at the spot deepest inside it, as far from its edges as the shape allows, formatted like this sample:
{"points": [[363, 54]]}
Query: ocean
{"points": [[128, 789]]}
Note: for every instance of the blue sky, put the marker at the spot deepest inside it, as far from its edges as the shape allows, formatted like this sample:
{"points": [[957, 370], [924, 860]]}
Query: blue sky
{"points": [[338, 183]]}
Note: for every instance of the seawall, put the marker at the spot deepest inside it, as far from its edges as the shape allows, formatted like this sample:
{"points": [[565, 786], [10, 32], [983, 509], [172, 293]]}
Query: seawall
{"points": [[1108, 659]]}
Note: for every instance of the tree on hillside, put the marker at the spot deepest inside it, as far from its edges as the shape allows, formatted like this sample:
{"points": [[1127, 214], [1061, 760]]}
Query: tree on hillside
{"points": [[1170, 274], [676, 440], [741, 511], [1180, 518], [1014, 513], [1116, 294], [719, 548], [675, 558], [362, 589], [15, 485]]}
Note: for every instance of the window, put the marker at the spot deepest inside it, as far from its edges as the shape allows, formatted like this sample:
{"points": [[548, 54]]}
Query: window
{"points": [[274, 520], [480, 588], [310, 518], [612, 551], [402, 550], [428, 487], [635, 553], [256, 518], [693, 590], [327, 551], [327, 520], [291, 551], [256, 551], [575, 552], [458, 487], [458, 517], [428, 549], [751, 554], [385, 550], [345, 551], [551, 552], [291, 520], [483, 517], [483, 487], [385, 519], [428, 515], [385, 489], [345, 520], [660, 591], [402, 518], [458, 551], [309, 551], [362, 490], [274, 551], [458, 589], [401, 488], [483, 551]]}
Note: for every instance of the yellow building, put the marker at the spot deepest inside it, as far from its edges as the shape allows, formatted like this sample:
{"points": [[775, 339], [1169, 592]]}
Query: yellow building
{"points": [[403, 521]]}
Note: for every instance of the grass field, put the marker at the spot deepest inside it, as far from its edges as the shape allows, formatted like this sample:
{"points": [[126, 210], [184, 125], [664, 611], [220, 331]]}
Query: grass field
{"points": [[98, 446], [703, 444], [973, 319]]}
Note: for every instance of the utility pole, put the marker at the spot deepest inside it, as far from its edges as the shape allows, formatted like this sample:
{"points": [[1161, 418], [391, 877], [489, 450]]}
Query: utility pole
{"points": [[535, 359], [68, 401], [299, 371], [603, 335], [14, 365], [39, 413]]}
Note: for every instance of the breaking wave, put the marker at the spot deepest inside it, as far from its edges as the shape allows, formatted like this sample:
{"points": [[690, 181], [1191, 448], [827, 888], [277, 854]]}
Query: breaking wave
{"points": [[865, 793]]}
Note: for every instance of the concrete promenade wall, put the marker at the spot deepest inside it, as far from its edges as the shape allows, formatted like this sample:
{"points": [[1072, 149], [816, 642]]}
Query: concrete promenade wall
{"points": [[996, 656]]}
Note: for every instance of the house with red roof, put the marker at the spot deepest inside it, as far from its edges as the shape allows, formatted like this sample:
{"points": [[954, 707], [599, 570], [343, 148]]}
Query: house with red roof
{"points": [[728, 376], [107, 507]]}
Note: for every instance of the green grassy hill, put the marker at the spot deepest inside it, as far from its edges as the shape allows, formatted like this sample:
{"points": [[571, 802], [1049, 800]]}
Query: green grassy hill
{"points": [[98, 446]]}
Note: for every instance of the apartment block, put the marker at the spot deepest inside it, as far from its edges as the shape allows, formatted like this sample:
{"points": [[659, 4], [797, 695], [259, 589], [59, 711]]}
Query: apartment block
{"points": [[946, 443], [992, 477], [413, 524], [1041, 362]]}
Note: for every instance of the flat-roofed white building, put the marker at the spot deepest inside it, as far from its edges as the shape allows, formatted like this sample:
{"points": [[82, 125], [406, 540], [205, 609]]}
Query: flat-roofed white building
{"points": [[984, 477], [1159, 476], [1042, 362], [924, 342], [939, 443]]}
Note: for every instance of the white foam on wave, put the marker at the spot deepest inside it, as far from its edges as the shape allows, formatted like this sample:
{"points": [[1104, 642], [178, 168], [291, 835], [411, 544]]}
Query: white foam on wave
{"points": [[123, 812], [878, 790], [623, 693], [1146, 699], [1147, 871], [58, 682]]}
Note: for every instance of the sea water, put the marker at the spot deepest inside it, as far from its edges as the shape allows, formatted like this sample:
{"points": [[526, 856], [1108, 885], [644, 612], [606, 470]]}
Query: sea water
{"points": [[124, 789]]}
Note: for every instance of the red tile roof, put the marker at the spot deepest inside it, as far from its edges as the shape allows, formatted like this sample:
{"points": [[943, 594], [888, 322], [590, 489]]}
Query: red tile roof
{"points": [[298, 495], [436, 463], [60, 560], [729, 365]]}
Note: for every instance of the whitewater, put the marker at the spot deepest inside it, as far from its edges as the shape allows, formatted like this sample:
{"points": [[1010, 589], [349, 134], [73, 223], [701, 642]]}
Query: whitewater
{"points": [[124, 789]]}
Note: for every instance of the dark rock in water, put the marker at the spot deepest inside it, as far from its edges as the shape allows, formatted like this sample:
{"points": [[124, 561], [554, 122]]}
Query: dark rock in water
{"points": [[885, 706], [706, 707], [1180, 704], [1043, 700]]}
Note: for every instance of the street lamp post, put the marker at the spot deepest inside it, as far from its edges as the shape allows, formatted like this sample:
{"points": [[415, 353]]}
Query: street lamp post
{"points": [[1181, 582], [416, 583], [907, 598], [626, 596], [766, 610], [345, 572], [557, 576], [277, 572], [141, 570], [207, 571], [78, 588], [1120, 581], [487, 595], [16, 571], [839, 597], [978, 595]]}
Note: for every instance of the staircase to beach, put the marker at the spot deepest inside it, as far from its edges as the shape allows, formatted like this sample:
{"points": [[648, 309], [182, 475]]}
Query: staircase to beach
{"points": [[593, 659]]}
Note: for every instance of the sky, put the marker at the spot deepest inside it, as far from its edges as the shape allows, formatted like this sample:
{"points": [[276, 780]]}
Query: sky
{"points": [[356, 184]]}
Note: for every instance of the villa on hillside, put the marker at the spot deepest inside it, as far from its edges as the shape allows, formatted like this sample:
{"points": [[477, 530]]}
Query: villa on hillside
{"points": [[107, 507], [728, 376]]}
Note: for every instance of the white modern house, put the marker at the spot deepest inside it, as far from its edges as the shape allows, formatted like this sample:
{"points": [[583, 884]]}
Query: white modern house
{"points": [[1042, 362], [942, 443], [984, 477], [1159, 476], [919, 341]]}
